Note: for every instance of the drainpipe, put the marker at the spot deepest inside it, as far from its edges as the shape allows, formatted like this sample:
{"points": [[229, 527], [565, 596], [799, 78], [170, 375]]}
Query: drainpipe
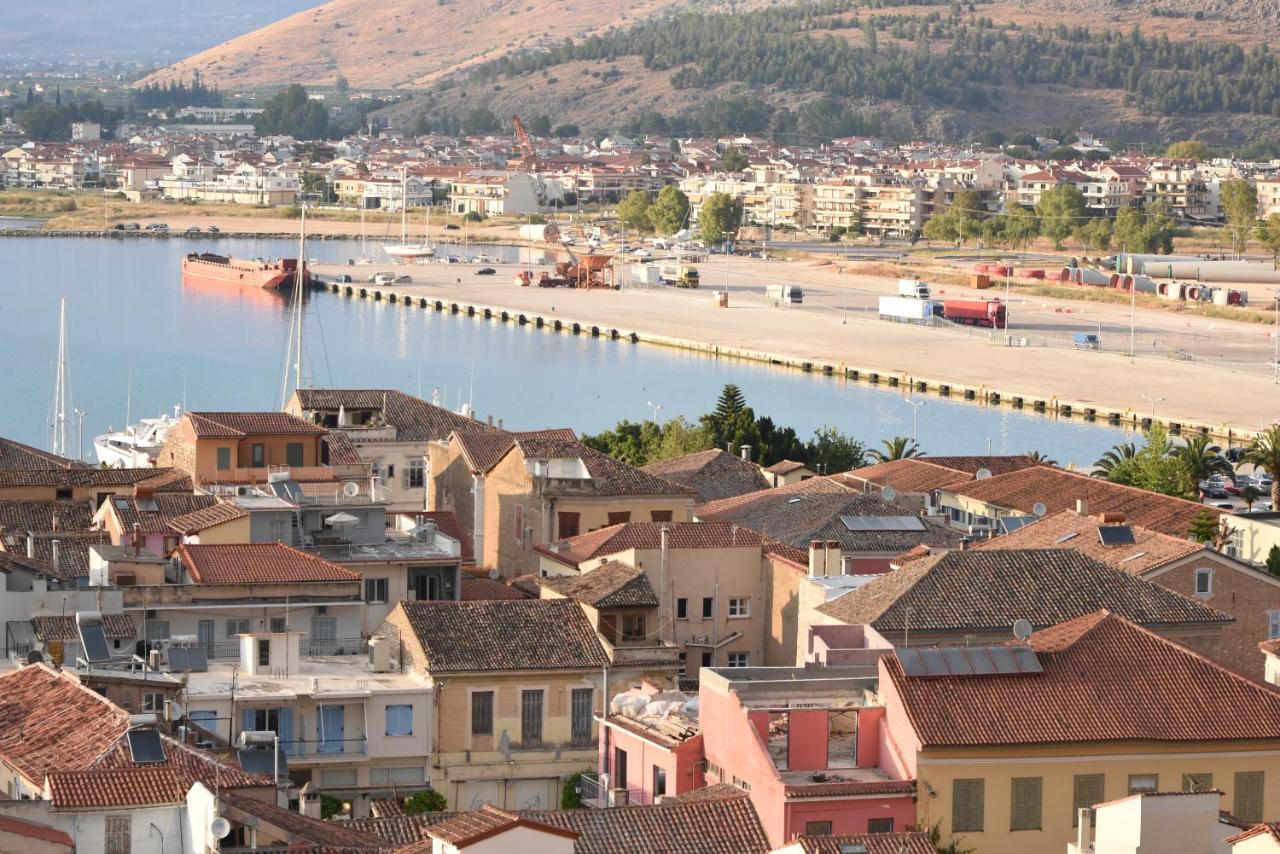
{"points": [[664, 594], [477, 518]]}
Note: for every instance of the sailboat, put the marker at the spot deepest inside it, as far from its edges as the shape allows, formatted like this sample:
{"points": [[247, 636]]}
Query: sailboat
{"points": [[293, 347], [404, 250], [58, 410]]}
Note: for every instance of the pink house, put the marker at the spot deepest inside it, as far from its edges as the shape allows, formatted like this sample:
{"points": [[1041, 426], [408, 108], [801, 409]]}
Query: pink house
{"points": [[649, 748], [805, 743]]}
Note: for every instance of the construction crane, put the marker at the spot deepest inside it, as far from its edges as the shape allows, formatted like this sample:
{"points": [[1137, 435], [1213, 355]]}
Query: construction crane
{"points": [[527, 152]]}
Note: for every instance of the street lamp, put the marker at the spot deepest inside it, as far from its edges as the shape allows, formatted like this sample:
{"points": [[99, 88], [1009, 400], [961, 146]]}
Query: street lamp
{"points": [[915, 413], [656, 407], [1153, 401]]}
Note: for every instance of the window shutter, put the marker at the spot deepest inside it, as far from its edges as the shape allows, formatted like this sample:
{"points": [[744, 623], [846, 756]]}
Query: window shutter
{"points": [[1197, 782], [1024, 813], [1248, 795], [966, 806], [1089, 789]]}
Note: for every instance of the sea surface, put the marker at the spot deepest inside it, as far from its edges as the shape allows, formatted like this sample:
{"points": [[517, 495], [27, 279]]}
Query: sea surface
{"points": [[139, 343]]}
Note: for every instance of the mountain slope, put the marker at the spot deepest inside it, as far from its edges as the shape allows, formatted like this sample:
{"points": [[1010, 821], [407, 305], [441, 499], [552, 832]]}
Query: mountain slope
{"points": [[395, 43]]}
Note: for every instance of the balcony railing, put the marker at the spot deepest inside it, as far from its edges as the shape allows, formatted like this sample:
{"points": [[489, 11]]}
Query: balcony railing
{"points": [[321, 748], [309, 648]]}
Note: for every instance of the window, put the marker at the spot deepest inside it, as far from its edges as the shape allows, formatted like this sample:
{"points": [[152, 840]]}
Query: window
{"points": [[157, 630], [1273, 625], [519, 514], [580, 715], [619, 768], [633, 627], [967, 806], [739, 606], [293, 454], [531, 718], [1204, 582], [278, 624], [684, 663], [682, 609], [1247, 800], [224, 459], [659, 781], [152, 702], [1087, 790], [817, 828], [660, 515], [400, 719], [375, 590], [708, 607], [737, 659], [337, 778], [237, 627], [264, 652], [620, 517], [407, 775], [1024, 812], [415, 474], [258, 454], [391, 472], [482, 713], [706, 659], [1143, 783], [324, 635], [119, 834], [567, 525], [879, 825], [275, 530], [63, 494], [1197, 782]]}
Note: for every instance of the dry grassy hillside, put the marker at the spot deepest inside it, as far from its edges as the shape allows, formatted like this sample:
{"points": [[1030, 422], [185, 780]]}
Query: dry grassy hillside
{"points": [[398, 43]]}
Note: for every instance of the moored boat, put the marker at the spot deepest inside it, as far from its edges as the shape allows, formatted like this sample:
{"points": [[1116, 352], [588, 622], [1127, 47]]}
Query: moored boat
{"points": [[207, 268]]}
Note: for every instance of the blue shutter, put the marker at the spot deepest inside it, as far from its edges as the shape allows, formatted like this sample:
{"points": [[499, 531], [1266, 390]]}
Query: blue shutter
{"points": [[246, 720], [286, 731]]}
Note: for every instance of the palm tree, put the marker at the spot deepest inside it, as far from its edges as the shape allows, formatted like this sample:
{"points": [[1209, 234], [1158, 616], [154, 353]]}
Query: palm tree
{"points": [[1041, 458], [1249, 495], [897, 448], [1264, 453], [1200, 463], [1114, 457]]}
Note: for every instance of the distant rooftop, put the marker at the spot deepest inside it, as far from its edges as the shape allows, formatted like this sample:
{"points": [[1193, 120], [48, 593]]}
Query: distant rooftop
{"points": [[318, 676], [795, 687]]}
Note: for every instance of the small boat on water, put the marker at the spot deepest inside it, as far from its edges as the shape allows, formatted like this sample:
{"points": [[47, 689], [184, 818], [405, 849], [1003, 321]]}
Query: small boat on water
{"points": [[135, 446], [404, 250], [208, 268]]}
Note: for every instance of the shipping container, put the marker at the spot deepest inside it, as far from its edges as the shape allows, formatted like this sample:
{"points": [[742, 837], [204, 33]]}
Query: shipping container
{"points": [[907, 309], [974, 312]]}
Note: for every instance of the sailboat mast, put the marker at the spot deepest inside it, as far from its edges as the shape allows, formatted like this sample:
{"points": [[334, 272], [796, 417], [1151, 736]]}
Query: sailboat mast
{"points": [[404, 205], [298, 291], [58, 430]]}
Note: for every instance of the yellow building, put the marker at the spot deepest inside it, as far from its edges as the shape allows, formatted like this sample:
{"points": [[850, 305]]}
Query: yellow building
{"points": [[1090, 710], [517, 683]]}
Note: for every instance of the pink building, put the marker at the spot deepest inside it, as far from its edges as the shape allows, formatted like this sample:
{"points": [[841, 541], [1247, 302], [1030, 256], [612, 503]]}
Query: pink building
{"points": [[805, 743], [649, 748]]}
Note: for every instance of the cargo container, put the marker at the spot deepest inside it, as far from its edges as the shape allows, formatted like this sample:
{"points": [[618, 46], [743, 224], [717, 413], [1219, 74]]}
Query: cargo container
{"points": [[974, 312], [907, 309], [645, 274], [784, 293], [979, 281], [913, 289]]}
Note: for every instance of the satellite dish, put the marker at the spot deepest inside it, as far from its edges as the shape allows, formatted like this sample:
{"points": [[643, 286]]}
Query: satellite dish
{"points": [[982, 474], [1039, 509], [1022, 629], [888, 493], [494, 574], [351, 489], [219, 827]]}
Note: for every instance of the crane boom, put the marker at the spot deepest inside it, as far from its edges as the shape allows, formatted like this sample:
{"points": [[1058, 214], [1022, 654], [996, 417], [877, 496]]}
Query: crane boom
{"points": [[527, 151]]}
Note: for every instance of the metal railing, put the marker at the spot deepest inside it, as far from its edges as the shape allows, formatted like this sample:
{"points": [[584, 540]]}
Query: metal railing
{"points": [[316, 748], [309, 648]]}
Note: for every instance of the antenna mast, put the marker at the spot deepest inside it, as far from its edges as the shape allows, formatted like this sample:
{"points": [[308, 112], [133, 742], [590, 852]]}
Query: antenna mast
{"points": [[58, 429]]}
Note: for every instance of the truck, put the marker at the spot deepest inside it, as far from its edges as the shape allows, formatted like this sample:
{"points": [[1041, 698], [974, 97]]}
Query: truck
{"points": [[680, 275], [907, 310], [785, 293], [975, 312], [645, 274], [913, 289]]}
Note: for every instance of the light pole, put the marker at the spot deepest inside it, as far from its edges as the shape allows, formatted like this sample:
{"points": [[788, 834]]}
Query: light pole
{"points": [[80, 432], [915, 413], [656, 407], [1153, 401], [844, 268], [1275, 360]]}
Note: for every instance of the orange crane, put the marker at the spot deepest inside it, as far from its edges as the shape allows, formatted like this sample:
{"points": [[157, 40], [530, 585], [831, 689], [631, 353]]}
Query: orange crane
{"points": [[528, 153]]}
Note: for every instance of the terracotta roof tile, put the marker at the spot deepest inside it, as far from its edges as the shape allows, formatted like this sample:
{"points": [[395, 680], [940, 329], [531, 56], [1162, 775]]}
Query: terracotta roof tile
{"points": [[106, 788], [155, 513], [237, 425], [341, 450], [1136, 686], [301, 828], [712, 474], [648, 535], [207, 517], [909, 475], [110, 477], [34, 830], [1070, 530], [988, 590], [467, 828], [18, 517], [258, 563], [478, 589], [610, 585], [534, 634], [15, 455], [415, 419], [785, 467], [59, 628], [1060, 490], [48, 722], [873, 843], [971, 465]]}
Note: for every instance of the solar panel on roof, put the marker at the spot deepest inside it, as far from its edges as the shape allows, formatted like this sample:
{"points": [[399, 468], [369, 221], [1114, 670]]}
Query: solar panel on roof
{"points": [[1116, 535], [1026, 659], [286, 489], [1002, 659], [145, 746], [980, 659], [197, 659], [255, 760], [934, 663], [882, 523], [93, 640], [1009, 524], [178, 660], [957, 662], [910, 661]]}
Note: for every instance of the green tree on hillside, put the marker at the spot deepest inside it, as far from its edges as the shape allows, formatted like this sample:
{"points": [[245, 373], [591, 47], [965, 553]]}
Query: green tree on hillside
{"points": [[1061, 210], [1268, 233], [1095, 234], [291, 112], [733, 160], [1240, 209], [720, 218], [869, 34], [1189, 149], [633, 211], [670, 211]]}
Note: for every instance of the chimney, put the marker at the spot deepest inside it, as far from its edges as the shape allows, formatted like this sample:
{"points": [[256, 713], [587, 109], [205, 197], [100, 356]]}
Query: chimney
{"points": [[728, 446], [31, 544], [1084, 833], [1111, 518], [141, 491], [745, 450], [499, 423], [53, 544], [1082, 506], [137, 538], [55, 521], [309, 801], [817, 559], [833, 559], [490, 420], [964, 543]]}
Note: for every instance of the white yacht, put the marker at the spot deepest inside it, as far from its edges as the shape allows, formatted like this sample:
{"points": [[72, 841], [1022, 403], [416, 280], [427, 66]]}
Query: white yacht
{"points": [[136, 446]]}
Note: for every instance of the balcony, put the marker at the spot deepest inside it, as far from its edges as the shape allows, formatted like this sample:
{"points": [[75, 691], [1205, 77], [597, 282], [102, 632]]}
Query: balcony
{"points": [[641, 653], [329, 748]]}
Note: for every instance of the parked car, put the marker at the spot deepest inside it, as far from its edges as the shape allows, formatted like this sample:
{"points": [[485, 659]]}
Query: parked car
{"points": [[404, 279], [1212, 491], [192, 232], [381, 278], [343, 278], [131, 226], [1086, 341], [486, 271], [158, 227], [452, 227]]}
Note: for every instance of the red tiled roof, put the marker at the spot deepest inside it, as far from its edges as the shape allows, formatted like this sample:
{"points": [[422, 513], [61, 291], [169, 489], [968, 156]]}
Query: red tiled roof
{"points": [[237, 425], [648, 535], [1060, 490], [34, 830], [610, 585], [712, 474], [1104, 679], [63, 628], [478, 589], [258, 563], [15, 455], [908, 475], [207, 517], [468, 828], [415, 419], [106, 788], [917, 842]]}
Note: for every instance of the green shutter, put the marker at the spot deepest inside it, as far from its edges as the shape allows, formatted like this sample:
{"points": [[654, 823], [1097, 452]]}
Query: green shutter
{"points": [[1088, 790], [1197, 782], [1024, 812], [1248, 796], [966, 806]]}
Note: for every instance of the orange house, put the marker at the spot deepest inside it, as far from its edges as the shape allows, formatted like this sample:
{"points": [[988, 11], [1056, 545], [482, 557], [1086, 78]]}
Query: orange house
{"points": [[241, 447]]}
